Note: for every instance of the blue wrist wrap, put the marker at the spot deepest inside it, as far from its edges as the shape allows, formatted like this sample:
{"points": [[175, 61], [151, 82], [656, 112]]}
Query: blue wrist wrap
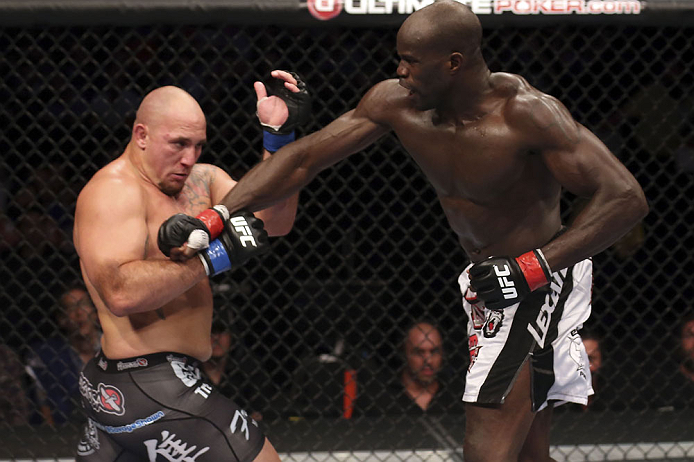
{"points": [[218, 257], [273, 142]]}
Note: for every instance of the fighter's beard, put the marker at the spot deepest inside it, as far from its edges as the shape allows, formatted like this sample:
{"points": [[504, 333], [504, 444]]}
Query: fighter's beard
{"points": [[170, 190]]}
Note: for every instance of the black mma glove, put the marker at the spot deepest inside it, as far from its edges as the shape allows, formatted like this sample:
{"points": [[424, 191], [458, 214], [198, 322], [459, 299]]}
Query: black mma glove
{"points": [[298, 107], [503, 281], [243, 237], [196, 231]]}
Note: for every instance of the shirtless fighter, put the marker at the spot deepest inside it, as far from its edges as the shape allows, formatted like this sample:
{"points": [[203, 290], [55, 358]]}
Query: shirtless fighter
{"points": [[143, 392], [498, 153]]}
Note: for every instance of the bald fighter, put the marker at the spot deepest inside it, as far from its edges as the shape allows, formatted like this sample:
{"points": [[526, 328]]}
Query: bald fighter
{"points": [[498, 153], [144, 393]]}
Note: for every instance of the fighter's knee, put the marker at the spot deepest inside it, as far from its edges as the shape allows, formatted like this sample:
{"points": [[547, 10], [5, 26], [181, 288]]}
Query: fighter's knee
{"points": [[477, 451], [524, 457], [267, 454], [474, 452]]}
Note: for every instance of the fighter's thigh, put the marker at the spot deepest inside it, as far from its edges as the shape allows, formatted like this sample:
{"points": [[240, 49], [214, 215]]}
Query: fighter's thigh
{"points": [[536, 446], [497, 432], [217, 432]]}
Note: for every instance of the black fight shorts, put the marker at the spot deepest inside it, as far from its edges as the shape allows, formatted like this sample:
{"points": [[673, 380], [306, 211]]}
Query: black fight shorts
{"points": [[160, 407]]}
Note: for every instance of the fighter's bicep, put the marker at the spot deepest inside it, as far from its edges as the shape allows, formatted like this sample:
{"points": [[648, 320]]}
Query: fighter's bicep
{"points": [[346, 135], [585, 166], [552, 124], [572, 153]]}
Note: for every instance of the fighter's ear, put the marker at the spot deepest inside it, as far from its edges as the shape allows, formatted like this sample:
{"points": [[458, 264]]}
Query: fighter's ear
{"points": [[455, 62], [140, 135]]}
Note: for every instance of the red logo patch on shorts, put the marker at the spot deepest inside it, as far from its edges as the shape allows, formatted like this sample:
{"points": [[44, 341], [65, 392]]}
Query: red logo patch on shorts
{"points": [[474, 349], [493, 324], [476, 309]]}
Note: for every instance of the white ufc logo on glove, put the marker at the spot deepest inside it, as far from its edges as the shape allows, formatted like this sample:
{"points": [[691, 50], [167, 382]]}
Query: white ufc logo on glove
{"points": [[241, 227], [508, 288]]}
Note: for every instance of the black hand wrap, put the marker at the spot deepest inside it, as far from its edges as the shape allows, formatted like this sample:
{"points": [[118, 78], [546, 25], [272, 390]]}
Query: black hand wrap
{"points": [[175, 230], [298, 104]]}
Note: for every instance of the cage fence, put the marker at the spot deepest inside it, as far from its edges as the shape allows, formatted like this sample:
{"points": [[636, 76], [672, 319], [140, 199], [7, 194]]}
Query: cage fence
{"points": [[370, 252]]}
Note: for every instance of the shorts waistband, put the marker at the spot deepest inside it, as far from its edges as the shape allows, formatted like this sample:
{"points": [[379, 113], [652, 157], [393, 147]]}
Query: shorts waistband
{"points": [[140, 362]]}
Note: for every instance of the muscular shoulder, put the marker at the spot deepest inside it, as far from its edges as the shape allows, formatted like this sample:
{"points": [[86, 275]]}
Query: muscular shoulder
{"points": [[112, 195], [114, 182], [541, 118], [383, 101]]}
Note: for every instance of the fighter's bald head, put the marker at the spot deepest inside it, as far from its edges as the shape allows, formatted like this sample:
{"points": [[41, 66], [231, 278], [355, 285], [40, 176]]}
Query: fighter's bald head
{"points": [[446, 26], [165, 104], [167, 138]]}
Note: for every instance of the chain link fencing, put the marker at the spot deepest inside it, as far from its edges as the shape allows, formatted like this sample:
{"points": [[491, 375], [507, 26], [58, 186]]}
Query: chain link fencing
{"points": [[370, 252]]}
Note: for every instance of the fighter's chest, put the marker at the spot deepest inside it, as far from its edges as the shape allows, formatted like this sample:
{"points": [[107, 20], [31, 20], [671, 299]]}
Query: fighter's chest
{"points": [[472, 161], [191, 201]]}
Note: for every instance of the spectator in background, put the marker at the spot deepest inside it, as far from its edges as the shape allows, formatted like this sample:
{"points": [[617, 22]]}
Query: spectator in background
{"points": [[49, 189], [422, 385], [44, 254], [672, 388], [56, 362], [14, 404], [235, 370], [593, 344]]}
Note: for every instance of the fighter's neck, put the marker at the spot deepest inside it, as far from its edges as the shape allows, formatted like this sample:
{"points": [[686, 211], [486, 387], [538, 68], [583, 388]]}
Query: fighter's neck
{"points": [[470, 100]]}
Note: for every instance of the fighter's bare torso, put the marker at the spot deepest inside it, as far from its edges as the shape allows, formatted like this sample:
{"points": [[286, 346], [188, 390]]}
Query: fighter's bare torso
{"points": [[497, 192], [183, 324]]}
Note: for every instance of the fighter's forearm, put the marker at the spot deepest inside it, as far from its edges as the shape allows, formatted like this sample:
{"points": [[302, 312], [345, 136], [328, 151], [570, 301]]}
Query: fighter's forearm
{"points": [[271, 181], [296, 164], [279, 218], [146, 285], [599, 225]]}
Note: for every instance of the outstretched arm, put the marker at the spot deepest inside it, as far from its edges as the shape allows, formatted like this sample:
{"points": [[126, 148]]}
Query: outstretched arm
{"points": [[296, 164], [283, 174]]}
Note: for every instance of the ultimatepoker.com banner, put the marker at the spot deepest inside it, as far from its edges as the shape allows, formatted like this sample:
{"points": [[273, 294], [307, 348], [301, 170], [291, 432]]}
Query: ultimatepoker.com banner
{"points": [[328, 9]]}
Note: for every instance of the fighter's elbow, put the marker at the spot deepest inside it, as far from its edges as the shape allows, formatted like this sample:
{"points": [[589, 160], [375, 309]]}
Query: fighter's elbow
{"points": [[280, 226], [279, 230], [634, 200], [640, 203], [119, 304]]}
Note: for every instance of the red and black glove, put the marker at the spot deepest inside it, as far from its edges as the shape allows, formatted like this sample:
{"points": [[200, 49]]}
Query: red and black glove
{"points": [[198, 231], [504, 281]]}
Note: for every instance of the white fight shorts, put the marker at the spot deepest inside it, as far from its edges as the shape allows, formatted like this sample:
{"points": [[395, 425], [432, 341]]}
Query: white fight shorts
{"points": [[543, 328]]}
